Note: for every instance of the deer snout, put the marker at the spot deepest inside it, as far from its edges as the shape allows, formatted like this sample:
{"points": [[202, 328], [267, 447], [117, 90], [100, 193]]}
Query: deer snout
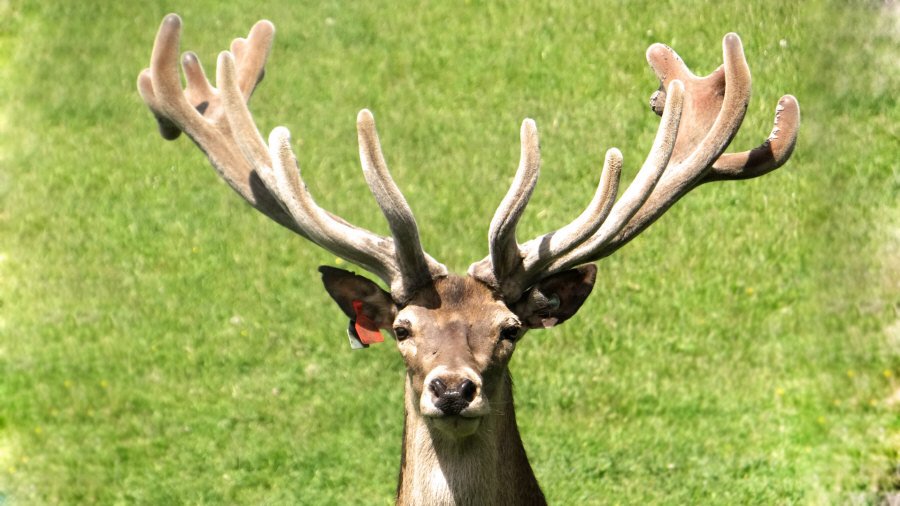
{"points": [[451, 392], [451, 400]]}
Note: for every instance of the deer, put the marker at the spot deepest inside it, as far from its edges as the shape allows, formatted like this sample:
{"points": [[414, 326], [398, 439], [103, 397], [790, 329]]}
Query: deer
{"points": [[457, 333]]}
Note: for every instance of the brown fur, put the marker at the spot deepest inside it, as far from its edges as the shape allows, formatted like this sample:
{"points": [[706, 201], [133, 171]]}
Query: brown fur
{"points": [[489, 466]]}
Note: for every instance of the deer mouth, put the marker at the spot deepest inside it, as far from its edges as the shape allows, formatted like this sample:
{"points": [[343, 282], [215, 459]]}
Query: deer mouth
{"points": [[454, 417], [455, 426]]}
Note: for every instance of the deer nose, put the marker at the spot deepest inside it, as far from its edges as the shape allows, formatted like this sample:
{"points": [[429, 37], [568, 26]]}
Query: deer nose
{"points": [[455, 398]]}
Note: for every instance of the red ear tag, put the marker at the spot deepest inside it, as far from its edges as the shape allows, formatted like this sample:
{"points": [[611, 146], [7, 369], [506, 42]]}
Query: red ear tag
{"points": [[365, 328]]}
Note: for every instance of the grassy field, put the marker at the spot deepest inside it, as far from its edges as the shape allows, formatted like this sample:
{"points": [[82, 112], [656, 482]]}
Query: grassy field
{"points": [[162, 343]]}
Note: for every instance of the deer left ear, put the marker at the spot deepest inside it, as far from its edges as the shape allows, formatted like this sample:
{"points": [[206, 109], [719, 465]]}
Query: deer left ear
{"points": [[556, 298]]}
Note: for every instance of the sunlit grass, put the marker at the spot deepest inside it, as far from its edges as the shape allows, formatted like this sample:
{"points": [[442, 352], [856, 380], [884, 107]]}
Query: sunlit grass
{"points": [[162, 343]]}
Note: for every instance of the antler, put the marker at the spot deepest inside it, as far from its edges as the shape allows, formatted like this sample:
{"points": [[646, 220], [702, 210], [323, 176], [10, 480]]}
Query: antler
{"points": [[700, 116], [268, 176]]}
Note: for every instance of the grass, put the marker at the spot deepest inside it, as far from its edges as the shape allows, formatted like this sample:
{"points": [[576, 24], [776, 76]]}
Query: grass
{"points": [[161, 343]]}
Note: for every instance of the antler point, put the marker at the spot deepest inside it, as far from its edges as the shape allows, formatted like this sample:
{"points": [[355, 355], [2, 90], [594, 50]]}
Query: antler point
{"points": [[226, 62], [266, 23], [172, 19], [278, 133], [732, 43], [788, 100], [529, 127], [365, 116], [657, 47]]}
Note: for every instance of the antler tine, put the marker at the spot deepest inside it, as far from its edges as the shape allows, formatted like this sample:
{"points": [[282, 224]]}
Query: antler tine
{"points": [[504, 262], [243, 128], [268, 176], [161, 80], [415, 267], [713, 111], [601, 220], [370, 251], [198, 112], [769, 155], [709, 111], [541, 251], [395, 262], [643, 186], [699, 163], [247, 55], [277, 166], [536, 254]]}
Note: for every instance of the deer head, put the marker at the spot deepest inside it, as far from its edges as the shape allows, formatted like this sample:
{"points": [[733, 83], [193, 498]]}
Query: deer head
{"points": [[457, 333]]}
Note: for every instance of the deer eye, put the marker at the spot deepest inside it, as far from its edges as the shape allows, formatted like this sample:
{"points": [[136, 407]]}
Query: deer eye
{"points": [[510, 333], [402, 333]]}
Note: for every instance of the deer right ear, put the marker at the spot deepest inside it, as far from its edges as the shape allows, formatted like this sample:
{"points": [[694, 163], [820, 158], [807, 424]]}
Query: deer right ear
{"points": [[358, 297]]}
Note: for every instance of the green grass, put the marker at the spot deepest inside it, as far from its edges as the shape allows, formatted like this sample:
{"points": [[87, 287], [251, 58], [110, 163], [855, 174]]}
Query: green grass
{"points": [[161, 343]]}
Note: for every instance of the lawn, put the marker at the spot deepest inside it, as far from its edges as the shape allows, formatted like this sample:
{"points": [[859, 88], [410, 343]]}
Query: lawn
{"points": [[163, 343]]}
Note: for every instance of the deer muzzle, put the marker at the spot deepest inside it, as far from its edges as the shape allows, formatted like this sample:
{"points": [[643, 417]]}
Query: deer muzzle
{"points": [[453, 400]]}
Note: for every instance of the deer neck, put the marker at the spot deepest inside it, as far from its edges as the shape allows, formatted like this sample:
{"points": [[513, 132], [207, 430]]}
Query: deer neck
{"points": [[488, 467]]}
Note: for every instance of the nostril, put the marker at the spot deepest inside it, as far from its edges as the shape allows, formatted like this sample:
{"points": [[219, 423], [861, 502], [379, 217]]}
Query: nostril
{"points": [[468, 389], [437, 387]]}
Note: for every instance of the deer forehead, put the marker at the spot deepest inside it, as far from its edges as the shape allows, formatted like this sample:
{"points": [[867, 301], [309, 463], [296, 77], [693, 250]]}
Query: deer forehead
{"points": [[471, 318], [457, 304]]}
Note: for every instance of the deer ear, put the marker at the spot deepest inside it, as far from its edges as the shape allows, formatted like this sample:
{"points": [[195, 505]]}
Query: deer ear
{"points": [[359, 298], [556, 298]]}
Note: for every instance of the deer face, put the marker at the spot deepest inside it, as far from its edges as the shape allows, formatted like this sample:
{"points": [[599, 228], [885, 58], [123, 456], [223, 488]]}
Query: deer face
{"points": [[457, 336]]}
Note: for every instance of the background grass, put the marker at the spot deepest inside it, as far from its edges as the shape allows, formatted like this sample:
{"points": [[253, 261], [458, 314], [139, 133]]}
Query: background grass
{"points": [[162, 343]]}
